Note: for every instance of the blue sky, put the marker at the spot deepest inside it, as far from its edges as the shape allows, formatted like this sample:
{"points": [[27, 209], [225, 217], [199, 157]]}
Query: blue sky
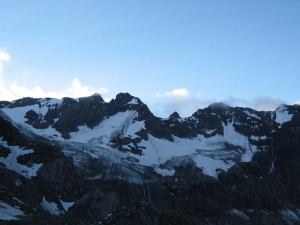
{"points": [[173, 55]]}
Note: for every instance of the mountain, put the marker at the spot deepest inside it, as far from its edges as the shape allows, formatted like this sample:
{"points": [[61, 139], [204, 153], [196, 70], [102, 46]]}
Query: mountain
{"points": [[85, 161]]}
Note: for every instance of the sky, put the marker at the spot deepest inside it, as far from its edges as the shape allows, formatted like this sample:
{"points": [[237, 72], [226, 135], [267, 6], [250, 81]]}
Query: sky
{"points": [[174, 55]]}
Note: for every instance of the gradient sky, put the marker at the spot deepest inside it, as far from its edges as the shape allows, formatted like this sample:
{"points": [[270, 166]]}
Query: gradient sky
{"points": [[173, 55]]}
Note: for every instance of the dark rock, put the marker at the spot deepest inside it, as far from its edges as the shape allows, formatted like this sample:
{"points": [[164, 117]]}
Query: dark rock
{"points": [[4, 152], [175, 115], [4, 104], [143, 134], [25, 102], [59, 173], [99, 205]]}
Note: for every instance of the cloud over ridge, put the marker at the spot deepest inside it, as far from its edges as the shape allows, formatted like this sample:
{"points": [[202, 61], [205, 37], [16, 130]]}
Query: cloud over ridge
{"points": [[14, 91], [182, 101]]}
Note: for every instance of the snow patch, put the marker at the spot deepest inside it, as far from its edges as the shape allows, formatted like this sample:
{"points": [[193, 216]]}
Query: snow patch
{"points": [[272, 168], [135, 127], [164, 172], [12, 164], [239, 213], [121, 124], [251, 114], [51, 207], [18, 200], [134, 101], [282, 115], [254, 138], [289, 216], [263, 137], [159, 151], [210, 131], [8, 212], [17, 115], [210, 165], [66, 205], [237, 139]]}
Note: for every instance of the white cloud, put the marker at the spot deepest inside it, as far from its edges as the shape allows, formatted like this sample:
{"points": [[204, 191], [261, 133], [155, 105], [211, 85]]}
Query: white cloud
{"points": [[77, 90], [4, 56], [180, 93], [297, 102], [15, 91], [181, 101]]}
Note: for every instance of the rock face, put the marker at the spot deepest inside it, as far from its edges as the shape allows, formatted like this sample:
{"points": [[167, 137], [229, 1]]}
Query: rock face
{"points": [[85, 161], [59, 172], [4, 152], [100, 206]]}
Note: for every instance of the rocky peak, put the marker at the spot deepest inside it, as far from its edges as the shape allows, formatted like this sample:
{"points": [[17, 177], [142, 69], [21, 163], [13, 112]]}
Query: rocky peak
{"points": [[174, 115], [24, 102], [220, 106], [123, 98], [94, 102], [4, 104], [125, 101], [93, 99]]}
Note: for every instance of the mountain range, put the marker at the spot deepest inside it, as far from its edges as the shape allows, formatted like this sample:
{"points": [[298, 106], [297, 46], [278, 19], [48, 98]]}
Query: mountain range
{"points": [[86, 161]]}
